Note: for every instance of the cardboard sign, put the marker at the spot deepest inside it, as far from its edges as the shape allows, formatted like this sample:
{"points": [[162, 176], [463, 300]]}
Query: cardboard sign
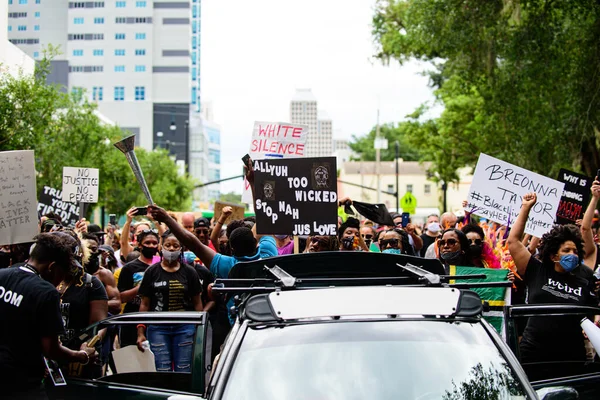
{"points": [[575, 196], [497, 190], [80, 185], [238, 211], [296, 196], [18, 198], [275, 140], [50, 200]]}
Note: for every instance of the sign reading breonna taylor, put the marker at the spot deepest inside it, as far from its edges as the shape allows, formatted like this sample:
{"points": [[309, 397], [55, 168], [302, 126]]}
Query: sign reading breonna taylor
{"points": [[296, 196], [497, 190]]}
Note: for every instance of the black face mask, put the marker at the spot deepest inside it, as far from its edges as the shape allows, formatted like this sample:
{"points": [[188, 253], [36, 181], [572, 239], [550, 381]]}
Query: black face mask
{"points": [[5, 259], [476, 250], [224, 249], [348, 243], [93, 264], [148, 252]]}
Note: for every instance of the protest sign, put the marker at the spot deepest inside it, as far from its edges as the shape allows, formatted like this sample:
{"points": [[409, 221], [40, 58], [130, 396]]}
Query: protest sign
{"points": [[50, 200], [296, 196], [498, 188], [18, 198], [80, 185], [275, 140], [575, 196], [238, 211]]}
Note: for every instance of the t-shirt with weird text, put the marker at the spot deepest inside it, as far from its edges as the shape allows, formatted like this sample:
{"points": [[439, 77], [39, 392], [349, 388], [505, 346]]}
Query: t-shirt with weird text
{"points": [[170, 291], [31, 313], [555, 338]]}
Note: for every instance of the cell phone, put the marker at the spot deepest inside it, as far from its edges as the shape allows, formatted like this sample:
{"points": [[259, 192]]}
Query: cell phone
{"points": [[55, 373], [245, 159], [141, 211], [405, 219], [598, 174], [112, 219]]}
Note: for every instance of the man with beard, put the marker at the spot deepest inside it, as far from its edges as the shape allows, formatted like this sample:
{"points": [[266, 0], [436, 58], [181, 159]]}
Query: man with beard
{"points": [[105, 276], [30, 324]]}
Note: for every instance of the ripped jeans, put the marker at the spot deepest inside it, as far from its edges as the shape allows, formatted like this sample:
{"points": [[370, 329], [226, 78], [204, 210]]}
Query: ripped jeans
{"points": [[172, 346]]}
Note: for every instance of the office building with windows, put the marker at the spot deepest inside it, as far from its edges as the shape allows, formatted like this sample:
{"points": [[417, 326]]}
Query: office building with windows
{"points": [[303, 110], [139, 60]]}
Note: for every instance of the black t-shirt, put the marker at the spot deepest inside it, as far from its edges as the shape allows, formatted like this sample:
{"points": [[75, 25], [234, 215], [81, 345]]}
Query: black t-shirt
{"points": [[31, 313], [75, 306], [427, 241], [555, 338], [170, 291], [206, 278], [130, 277]]}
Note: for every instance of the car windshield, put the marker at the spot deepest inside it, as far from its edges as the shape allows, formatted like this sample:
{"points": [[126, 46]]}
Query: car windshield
{"points": [[417, 360]]}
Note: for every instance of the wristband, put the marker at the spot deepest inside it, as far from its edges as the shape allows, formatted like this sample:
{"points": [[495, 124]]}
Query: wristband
{"points": [[141, 325], [87, 356], [219, 222]]}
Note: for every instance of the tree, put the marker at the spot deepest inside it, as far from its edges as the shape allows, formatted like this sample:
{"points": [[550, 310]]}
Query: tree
{"points": [[231, 197], [64, 130], [518, 79], [364, 146]]}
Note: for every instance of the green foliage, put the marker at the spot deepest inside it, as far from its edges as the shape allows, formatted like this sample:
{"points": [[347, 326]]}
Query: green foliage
{"points": [[518, 80], [364, 145], [231, 197], [65, 131]]}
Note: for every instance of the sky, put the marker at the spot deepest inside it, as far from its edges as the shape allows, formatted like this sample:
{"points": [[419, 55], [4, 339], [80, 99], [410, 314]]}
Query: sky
{"points": [[255, 54]]}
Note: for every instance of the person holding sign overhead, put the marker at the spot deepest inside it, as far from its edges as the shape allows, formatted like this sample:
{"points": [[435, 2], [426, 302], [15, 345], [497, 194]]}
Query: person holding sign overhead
{"points": [[557, 277]]}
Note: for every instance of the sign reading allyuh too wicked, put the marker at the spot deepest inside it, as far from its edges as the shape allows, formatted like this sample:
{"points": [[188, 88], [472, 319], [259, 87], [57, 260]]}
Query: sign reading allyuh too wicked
{"points": [[296, 196]]}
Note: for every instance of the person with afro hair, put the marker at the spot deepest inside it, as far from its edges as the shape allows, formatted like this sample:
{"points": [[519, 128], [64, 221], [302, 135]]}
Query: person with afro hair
{"points": [[349, 236], [558, 277]]}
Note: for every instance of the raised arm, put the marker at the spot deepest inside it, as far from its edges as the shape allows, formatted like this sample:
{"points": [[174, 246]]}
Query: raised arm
{"points": [[125, 245], [517, 249], [589, 246], [188, 239], [216, 232]]}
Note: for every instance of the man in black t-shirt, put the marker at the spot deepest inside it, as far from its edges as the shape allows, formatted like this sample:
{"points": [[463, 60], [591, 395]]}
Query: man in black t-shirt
{"points": [[30, 321]]}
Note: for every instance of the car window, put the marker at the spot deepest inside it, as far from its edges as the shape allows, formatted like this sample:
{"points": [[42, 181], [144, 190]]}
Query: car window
{"points": [[375, 360]]}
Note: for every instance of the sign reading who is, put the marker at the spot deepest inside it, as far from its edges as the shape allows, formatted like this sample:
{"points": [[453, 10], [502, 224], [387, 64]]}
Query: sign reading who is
{"points": [[296, 196]]}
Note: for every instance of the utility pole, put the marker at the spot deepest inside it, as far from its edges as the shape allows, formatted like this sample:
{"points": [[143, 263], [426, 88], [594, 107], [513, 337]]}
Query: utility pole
{"points": [[378, 160], [397, 177]]}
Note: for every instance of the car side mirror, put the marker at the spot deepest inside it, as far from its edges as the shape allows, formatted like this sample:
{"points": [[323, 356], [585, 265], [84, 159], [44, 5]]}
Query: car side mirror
{"points": [[558, 393]]}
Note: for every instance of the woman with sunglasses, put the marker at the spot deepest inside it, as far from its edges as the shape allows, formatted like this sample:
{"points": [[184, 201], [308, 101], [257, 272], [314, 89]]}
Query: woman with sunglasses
{"points": [[317, 244], [395, 241], [481, 252], [454, 249]]}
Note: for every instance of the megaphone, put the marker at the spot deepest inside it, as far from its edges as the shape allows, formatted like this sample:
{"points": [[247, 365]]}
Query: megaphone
{"points": [[592, 332], [126, 146]]}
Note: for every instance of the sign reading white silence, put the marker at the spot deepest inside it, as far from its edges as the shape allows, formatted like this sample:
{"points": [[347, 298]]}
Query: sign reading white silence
{"points": [[80, 185], [498, 188], [18, 198]]}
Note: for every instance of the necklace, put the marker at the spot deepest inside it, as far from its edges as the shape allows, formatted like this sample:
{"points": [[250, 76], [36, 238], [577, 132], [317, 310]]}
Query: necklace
{"points": [[30, 269], [62, 289]]}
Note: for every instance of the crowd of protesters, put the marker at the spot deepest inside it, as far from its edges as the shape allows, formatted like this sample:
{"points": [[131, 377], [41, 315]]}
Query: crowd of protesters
{"points": [[70, 278]]}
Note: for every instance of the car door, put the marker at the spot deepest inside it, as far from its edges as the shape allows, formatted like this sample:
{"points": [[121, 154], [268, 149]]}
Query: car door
{"points": [[106, 379]]}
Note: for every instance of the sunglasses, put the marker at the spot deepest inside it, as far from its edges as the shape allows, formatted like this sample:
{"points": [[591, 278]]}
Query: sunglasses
{"points": [[203, 231], [477, 242], [367, 237], [386, 242], [449, 242], [316, 240]]}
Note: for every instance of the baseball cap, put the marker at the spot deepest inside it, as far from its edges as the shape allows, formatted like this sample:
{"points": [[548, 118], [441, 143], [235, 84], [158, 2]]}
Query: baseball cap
{"points": [[107, 248], [201, 223], [95, 230]]}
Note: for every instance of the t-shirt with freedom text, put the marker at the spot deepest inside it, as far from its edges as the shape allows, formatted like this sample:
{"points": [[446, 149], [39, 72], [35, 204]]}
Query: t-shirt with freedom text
{"points": [[170, 291], [29, 311], [555, 338]]}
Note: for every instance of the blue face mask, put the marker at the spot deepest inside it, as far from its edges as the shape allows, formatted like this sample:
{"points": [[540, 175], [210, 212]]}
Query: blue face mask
{"points": [[569, 262], [392, 251]]}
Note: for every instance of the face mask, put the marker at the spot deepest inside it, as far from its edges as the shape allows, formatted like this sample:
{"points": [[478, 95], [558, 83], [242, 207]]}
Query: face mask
{"points": [[392, 251], [149, 252], [433, 227], [475, 250], [280, 237], [93, 264], [5, 259], [452, 257], [348, 243], [171, 256], [569, 262], [223, 248]]}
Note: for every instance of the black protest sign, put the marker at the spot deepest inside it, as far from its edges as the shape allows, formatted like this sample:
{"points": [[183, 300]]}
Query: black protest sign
{"points": [[296, 196], [51, 201], [574, 198]]}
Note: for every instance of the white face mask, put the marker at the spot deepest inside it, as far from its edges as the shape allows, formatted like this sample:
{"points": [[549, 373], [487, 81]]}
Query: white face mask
{"points": [[171, 256], [433, 227]]}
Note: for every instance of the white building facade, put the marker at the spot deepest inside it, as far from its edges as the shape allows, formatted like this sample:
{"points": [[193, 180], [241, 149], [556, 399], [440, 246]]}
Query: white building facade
{"points": [[12, 59], [303, 110], [139, 60]]}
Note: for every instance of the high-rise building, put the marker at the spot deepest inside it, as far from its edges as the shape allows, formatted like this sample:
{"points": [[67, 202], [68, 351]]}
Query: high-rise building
{"points": [[303, 110], [213, 133], [139, 60], [12, 60]]}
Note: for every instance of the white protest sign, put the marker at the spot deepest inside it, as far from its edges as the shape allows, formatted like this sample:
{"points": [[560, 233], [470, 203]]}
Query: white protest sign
{"points": [[275, 140], [80, 185], [498, 188], [18, 197]]}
